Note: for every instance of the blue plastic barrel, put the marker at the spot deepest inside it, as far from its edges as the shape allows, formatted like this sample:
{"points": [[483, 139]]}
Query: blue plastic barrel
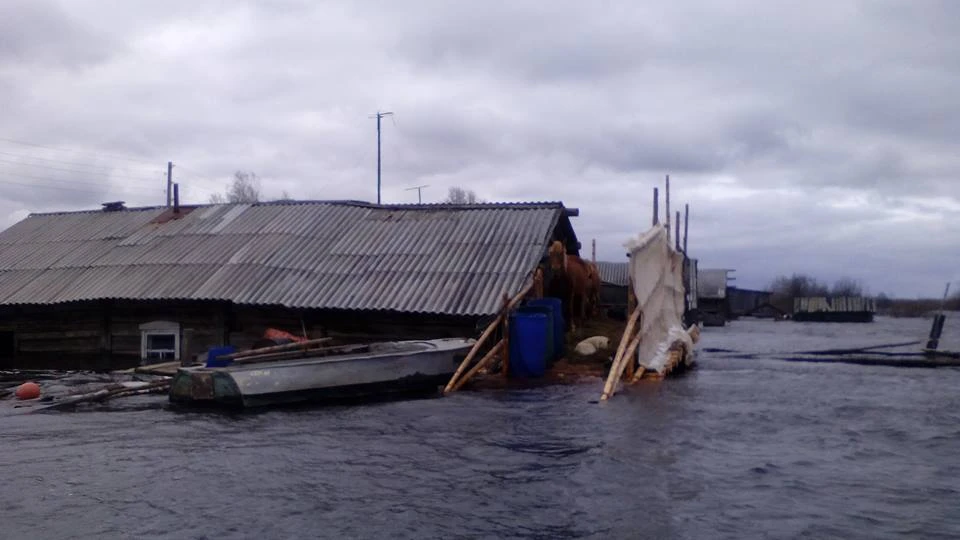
{"points": [[550, 342], [528, 344], [215, 352], [559, 327]]}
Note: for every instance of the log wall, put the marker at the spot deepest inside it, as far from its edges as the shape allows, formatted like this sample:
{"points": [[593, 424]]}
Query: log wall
{"points": [[106, 335]]}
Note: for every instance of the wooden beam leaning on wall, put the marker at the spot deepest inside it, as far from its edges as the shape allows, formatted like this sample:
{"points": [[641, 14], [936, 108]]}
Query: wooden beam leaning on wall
{"points": [[504, 313], [628, 346]]}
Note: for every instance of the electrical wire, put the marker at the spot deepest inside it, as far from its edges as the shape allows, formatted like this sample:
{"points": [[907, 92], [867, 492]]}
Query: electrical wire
{"points": [[4, 181], [70, 181], [114, 156], [106, 172], [63, 162]]}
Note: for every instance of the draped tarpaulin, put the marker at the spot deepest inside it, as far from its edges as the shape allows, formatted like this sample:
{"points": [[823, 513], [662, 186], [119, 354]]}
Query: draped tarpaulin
{"points": [[656, 269]]}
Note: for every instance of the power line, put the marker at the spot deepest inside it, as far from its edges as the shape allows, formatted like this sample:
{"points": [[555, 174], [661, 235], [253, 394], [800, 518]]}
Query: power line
{"points": [[114, 156], [21, 163], [195, 174], [68, 181], [65, 187], [62, 162]]}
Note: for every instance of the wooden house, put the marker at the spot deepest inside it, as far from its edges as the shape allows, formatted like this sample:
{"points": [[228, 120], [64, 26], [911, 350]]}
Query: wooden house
{"points": [[119, 287]]}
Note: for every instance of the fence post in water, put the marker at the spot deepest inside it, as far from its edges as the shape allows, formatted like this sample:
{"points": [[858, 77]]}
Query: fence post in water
{"points": [[656, 206], [934, 341]]}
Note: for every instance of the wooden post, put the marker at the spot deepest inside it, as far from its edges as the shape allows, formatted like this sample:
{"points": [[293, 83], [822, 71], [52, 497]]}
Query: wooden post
{"points": [[677, 228], [656, 206], [686, 222], [506, 337], [538, 283], [666, 214], [631, 296]]}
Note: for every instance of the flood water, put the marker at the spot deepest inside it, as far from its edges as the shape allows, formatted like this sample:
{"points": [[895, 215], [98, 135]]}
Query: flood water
{"points": [[744, 446]]}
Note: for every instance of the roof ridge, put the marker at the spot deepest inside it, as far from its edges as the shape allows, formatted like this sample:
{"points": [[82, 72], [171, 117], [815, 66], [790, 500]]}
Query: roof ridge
{"points": [[333, 202]]}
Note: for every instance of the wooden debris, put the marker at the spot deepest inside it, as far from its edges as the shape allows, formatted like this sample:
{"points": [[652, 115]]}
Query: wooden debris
{"points": [[501, 317], [107, 392], [616, 370], [491, 354], [302, 345]]}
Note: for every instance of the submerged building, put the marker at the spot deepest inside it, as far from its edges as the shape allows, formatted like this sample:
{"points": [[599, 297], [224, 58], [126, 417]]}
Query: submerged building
{"points": [[122, 286]]}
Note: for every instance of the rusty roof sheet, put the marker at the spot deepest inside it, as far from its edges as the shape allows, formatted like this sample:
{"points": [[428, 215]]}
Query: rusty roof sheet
{"points": [[440, 259]]}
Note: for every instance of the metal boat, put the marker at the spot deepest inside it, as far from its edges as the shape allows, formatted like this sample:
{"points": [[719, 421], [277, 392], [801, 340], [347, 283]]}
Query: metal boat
{"points": [[363, 370]]}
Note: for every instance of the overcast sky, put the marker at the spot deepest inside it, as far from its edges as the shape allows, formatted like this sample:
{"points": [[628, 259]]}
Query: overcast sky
{"points": [[815, 137]]}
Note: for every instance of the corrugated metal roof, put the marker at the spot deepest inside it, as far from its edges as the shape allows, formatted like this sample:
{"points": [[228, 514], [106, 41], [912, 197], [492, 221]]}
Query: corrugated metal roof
{"points": [[329, 255], [614, 273]]}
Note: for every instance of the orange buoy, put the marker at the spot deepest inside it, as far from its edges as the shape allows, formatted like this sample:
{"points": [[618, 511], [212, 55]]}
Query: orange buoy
{"points": [[28, 390]]}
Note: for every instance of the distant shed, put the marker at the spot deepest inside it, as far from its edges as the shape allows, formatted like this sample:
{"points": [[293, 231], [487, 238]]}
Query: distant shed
{"points": [[712, 301], [745, 302], [122, 286], [614, 282], [834, 309]]}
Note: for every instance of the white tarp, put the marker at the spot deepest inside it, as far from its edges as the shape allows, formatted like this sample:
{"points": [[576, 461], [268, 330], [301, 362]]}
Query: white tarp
{"points": [[657, 273]]}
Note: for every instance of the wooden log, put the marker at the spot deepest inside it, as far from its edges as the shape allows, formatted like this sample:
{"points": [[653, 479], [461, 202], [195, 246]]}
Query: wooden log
{"points": [[616, 371], [485, 336], [656, 205], [505, 371], [105, 393], [289, 355], [491, 354], [627, 334], [285, 347], [473, 352]]}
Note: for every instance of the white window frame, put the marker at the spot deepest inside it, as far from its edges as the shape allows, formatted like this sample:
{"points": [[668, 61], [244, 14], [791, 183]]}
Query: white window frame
{"points": [[159, 328]]}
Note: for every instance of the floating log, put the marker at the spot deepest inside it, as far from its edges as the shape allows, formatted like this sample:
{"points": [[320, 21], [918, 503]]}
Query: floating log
{"points": [[105, 393], [167, 369]]}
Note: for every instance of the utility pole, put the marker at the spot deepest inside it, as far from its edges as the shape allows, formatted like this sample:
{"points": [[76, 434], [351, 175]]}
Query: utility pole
{"points": [[378, 116], [169, 182], [418, 188]]}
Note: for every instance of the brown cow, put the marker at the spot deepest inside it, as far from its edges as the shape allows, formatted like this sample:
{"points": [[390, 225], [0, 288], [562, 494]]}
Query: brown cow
{"points": [[573, 273]]}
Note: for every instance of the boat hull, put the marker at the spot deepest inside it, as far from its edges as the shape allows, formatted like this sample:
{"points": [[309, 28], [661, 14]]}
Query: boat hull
{"points": [[388, 368]]}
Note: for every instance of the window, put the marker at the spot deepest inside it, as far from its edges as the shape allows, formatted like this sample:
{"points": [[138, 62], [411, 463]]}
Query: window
{"points": [[161, 346], [160, 341]]}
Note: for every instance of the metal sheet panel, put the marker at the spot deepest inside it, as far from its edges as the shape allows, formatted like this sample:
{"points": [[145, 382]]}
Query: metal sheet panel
{"points": [[336, 255], [614, 273], [712, 283]]}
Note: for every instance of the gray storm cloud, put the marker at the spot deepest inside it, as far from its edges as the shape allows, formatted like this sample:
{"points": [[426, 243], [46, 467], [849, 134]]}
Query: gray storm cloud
{"points": [[817, 137]]}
